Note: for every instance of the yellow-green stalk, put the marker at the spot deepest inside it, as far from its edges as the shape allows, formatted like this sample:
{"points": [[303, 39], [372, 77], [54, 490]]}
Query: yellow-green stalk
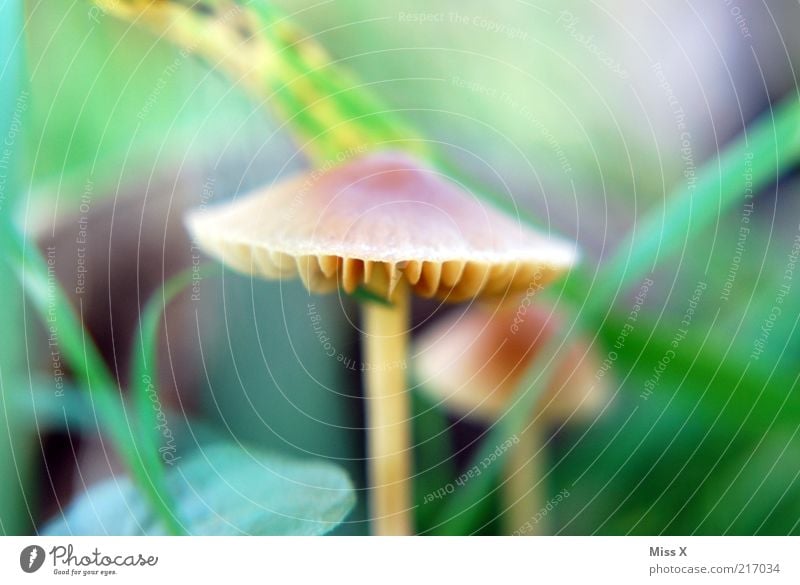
{"points": [[273, 60]]}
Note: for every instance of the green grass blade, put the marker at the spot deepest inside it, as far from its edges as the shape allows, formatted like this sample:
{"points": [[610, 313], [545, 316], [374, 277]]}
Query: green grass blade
{"points": [[39, 284], [773, 144], [433, 455], [144, 382]]}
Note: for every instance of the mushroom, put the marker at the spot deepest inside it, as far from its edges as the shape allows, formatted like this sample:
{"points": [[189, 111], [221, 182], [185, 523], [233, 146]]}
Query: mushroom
{"points": [[386, 223], [472, 362]]}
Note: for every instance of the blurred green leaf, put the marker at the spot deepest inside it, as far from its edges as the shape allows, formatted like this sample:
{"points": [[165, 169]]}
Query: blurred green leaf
{"points": [[14, 445], [754, 491], [722, 380], [223, 489], [104, 93], [36, 405]]}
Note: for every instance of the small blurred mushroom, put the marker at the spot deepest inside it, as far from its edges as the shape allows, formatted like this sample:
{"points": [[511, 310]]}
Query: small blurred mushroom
{"points": [[388, 224], [472, 363]]}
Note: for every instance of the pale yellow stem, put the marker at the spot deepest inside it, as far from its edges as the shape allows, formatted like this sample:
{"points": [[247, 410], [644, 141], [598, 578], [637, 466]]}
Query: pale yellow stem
{"points": [[388, 413], [523, 499]]}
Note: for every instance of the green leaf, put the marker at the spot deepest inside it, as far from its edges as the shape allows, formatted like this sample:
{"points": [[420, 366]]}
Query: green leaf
{"points": [[223, 489], [34, 405], [364, 295]]}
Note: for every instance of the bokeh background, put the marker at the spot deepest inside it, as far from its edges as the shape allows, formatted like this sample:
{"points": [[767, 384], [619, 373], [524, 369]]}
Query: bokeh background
{"points": [[584, 115]]}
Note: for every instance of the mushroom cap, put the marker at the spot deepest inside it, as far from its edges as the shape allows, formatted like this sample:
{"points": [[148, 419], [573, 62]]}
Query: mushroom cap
{"points": [[473, 361], [373, 221]]}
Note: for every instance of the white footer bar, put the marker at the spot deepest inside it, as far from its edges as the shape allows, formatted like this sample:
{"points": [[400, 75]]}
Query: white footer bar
{"points": [[386, 561]]}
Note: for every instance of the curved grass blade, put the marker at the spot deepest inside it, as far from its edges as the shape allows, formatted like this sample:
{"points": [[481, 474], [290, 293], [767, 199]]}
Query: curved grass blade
{"points": [[41, 287], [144, 377]]}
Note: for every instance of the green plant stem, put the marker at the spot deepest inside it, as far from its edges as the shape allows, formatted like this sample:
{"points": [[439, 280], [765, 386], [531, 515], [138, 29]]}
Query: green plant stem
{"points": [[41, 287], [261, 50], [433, 457], [773, 142], [144, 378]]}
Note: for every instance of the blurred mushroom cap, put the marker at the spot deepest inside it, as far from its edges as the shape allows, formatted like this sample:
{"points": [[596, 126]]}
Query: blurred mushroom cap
{"points": [[473, 361], [373, 221]]}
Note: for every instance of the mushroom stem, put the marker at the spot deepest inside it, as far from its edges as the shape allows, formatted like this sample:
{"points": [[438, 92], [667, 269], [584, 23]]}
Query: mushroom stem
{"points": [[385, 338], [524, 489]]}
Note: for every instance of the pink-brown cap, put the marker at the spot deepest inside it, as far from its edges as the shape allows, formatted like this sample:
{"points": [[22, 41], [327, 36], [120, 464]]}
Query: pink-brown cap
{"points": [[373, 221], [473, 361]]}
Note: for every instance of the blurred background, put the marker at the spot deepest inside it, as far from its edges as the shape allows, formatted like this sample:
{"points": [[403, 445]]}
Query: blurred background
{"points": [[583, 115]]}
